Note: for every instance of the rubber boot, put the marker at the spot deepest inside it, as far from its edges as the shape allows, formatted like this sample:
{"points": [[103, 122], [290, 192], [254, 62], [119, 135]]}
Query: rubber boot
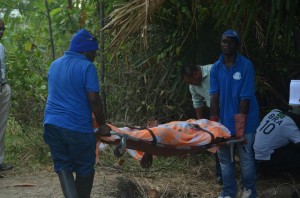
{"points": [[67, 184], [84, 185]]}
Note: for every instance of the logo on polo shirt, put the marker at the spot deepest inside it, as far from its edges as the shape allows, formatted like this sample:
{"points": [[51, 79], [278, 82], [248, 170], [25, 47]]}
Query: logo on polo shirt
{"points": [[237, 76]]}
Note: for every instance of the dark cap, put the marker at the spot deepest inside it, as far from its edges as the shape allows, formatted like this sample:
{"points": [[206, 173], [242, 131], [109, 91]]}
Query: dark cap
{"points": [[83, 41], [233, 34]]}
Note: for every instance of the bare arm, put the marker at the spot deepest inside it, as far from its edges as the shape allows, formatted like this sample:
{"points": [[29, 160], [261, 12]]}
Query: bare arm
{"points": [[214, 105], [97, 108], [244, 106], [202, 112]]}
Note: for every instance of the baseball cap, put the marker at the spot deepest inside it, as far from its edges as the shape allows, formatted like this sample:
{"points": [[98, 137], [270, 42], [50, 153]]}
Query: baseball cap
{"points": [[233, 34], [83, 41]]}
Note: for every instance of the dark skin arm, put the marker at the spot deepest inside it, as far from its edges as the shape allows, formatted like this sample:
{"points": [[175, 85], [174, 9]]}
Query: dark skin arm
{"points": [[244, 106], [202, 112], [97, 108], [214, 105]]}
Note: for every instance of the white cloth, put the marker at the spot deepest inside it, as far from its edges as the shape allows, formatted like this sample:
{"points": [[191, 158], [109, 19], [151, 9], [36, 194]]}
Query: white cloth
{"points": [[294, 93]]}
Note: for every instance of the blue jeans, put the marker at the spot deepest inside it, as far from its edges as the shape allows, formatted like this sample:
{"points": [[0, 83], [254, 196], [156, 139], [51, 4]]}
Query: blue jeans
{"points": [[247, 163], [218, 166], [71, 150]]}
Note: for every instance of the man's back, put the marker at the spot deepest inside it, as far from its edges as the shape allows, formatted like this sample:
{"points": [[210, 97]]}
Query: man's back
{"points": [[69, 79], [276, 130]]}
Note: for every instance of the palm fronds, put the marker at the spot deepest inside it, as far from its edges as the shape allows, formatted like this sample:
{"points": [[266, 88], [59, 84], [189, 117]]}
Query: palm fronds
{"points": [[131, 18]]}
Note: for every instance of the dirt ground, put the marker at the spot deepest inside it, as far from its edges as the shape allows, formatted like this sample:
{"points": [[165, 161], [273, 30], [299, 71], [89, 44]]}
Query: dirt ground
{"points": [[108, 182], [44, 184], [113, 181]]}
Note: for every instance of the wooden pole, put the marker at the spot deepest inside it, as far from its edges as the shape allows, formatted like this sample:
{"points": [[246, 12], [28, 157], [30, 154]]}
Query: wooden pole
{"points": [[101, 55], [50, 29]]}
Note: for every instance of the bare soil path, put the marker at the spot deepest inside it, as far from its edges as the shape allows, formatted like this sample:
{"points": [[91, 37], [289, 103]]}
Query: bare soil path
{"points": [[111, 182]]}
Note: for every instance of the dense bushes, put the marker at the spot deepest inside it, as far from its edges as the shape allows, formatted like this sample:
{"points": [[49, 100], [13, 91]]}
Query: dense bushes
{"points": [[141, 82]]}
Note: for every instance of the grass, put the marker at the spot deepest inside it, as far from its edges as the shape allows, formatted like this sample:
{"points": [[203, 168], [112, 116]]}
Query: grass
{"points": [[24, 146], [171, 176]]}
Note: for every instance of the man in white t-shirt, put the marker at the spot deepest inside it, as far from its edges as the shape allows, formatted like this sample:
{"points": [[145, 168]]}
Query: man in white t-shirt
{"points": [[198, 79], [277, 142]]}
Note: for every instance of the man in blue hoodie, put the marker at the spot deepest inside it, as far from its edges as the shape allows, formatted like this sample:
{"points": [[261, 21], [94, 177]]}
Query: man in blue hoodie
{"points": [[73, 95]]}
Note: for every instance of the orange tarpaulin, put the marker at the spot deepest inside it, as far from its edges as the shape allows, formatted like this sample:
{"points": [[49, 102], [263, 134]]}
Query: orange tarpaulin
{"points": [[173, 138]]}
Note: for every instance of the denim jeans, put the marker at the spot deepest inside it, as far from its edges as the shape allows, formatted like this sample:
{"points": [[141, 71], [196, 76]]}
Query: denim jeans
{"points": [[71, 150], [218, 166], [247, 163]]}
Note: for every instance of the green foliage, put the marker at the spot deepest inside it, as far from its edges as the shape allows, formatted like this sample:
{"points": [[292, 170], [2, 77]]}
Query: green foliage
{"points": [[142, 92], [26, 71], [141, 79], [149, 84], [25, 146], [28, 55]]}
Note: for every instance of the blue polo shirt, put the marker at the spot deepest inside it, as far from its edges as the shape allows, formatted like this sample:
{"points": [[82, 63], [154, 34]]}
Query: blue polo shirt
{"points": [[70, 77], [233, 84]]}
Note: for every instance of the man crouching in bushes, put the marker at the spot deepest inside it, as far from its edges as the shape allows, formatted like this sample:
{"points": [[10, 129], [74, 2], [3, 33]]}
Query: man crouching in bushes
{"points": [[277, 140]]}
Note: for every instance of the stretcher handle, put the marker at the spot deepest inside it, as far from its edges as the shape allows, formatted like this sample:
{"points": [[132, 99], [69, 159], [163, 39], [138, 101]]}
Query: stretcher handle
{"points": [[232, 143], [121, 148]]}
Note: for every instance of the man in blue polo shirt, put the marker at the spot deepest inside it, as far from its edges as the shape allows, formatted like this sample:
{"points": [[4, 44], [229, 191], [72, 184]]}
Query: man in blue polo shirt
{"points": [[234, 104], [73, 94]]}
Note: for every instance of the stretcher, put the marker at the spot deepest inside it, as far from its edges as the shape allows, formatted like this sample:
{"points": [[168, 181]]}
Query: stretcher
{"points": [[170, 139]]}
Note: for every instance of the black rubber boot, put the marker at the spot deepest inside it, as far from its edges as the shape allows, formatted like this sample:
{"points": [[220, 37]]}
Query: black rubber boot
{"points": [[84, 185], [67, 183]]}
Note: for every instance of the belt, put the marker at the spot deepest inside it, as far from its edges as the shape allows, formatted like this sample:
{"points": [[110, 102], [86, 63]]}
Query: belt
{"points": [[3, 84]]}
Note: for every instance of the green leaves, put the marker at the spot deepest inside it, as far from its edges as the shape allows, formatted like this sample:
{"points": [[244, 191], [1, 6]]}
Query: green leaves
{"points": [[146, 42], [55, 11]]}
